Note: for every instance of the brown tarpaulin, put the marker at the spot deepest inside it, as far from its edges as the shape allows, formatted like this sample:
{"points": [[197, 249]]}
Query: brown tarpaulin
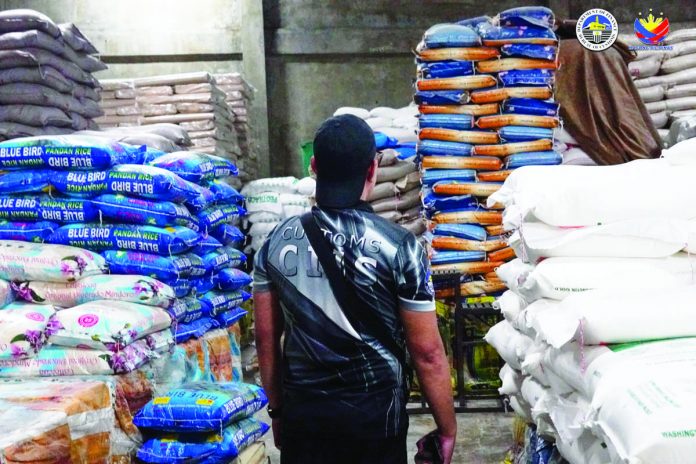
{"points": [[600, 105]]}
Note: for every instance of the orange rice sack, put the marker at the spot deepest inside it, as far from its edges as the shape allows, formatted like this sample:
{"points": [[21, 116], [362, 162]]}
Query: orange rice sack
{"points": [[461, 244], [473, 110], [495, 122], [450, 135], [507, 149], [478, 267], [507, 64], [469, 217], [457, 83], [495, 176], [479, 189], [498, 95], [460, 54], [487, 163], [506, 254]]}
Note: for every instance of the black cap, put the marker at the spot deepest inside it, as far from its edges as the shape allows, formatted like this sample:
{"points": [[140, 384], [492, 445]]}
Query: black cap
{"points": [[344, 148]]}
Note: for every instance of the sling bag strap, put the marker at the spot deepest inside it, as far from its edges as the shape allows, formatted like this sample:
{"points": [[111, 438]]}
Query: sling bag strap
{"points": [[356, 311]]}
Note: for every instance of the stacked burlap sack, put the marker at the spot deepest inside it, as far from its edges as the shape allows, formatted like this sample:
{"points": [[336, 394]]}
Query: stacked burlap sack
{"points": [[46, 82], [596, 357], [485, 90], [272, 200], [239, 96], [666, 79]]}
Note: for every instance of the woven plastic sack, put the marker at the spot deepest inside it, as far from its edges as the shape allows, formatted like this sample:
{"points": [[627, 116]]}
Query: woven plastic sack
{"points": [[496, 36], [194, 329], [441, 97], [228, 235], [451, 36], [186, 310], [206, 245], [541, 52], [464, 231], [181, 287], [538, 16], [24, 329], [147, 264], [510, 134], [203, 199], [123, 209], [537, 77], [439, 147], [432, 176], [181, 411], [29, 181], [220, 302], [537, 158], [530, 106], [231, 317], [215, 216], [191, 166], [229, 280], [37, 232], [224, 192], [440, 69], [447, 121], [21, 261], [223, 258]]}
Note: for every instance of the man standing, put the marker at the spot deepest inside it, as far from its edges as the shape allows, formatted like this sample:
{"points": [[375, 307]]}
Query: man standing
{"points": [[348, 290]]}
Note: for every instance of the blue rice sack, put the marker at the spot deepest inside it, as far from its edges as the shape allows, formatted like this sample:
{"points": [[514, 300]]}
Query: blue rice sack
{"points": [[203, 285], [195, 329], [196, 265], [207, 449], [465, 231], [518, 34], [440, 69], [189, 165], [181, 287], [75, 152], [120, 208], [540, 52], [182, 409], [26, 181], [217, 215], [383, 141], [223, 167], [530, 106], [46, 208], [476, 22], [152, 154], [204, 198], [224, 192], [222, 258], [148, 239], [527, 77], [230, 317], [229, 280], [454, 257], [38, 232], [406, 151], [228, 235], [446, 121], [534, 158], [206, 245], [139, 181], [451, 36], [510, 134], [164, 268], [224, 301], [441, 97], [432, 176], [528, 16], [188, 309], [436, 203], [441, 147]]}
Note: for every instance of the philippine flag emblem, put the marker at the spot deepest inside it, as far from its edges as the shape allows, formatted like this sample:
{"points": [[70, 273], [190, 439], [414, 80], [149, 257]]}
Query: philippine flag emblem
{"points": [[651, 30]]}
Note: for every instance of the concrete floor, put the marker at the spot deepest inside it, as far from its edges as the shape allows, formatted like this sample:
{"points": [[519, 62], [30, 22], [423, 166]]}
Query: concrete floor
{"points": [[483, 438]]}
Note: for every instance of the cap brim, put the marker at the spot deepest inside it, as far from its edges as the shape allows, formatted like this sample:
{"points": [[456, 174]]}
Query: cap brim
{"points": [[339, 194]]}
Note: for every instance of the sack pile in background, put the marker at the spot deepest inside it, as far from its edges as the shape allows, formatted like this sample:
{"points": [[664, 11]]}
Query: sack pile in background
{"points": [[46, 75], [590, 361], [485, 95], [272, 200], [666, 79]]}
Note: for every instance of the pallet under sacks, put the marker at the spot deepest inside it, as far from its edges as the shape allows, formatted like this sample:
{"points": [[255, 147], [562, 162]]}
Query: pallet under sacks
{"points": [[46, 74], [485, 95], [71, 319], [597, 358]]}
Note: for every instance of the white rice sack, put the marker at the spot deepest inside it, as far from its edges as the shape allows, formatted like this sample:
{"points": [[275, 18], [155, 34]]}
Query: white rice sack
{"points": [[562, 135], [23, 329], [7, 295], [511, 381], [307, 186], [566, 196], [652, 94], [262, 229], [24, 261], [660, 119], [271, 184], [649, 237], [559, 278], [682, 48], [540, 398], [131, 288], [267, 202], [680, 104], [375, 123], [656, 107], [599, 317], [586, 449], [514, 273], [359, 112], [257, 242], [577, 157], [262, 217], [681, 35], [104, 324], [406, 122], [402, 135], [510, 344], [679, 63], [683, 152], [680, 91], [645, 68]]}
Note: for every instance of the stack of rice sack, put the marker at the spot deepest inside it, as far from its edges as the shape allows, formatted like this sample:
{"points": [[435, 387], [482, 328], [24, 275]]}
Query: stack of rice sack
{"points": [[239, 96], [596, 357], [485, 90], [208, 423], [270, 201], [119, 105], [46, 75]]}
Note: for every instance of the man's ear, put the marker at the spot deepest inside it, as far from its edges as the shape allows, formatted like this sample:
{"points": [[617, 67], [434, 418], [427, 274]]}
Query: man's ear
{"points": [[372, 170], [313, 164]]}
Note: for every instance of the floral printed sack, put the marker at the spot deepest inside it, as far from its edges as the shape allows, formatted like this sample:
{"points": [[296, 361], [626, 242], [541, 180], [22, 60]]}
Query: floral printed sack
{"points": [[23, 261], [23, 329]]}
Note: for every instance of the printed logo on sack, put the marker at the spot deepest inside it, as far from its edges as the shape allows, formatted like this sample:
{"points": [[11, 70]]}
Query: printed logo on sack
{"points": [[597, 29], [651, 31]]}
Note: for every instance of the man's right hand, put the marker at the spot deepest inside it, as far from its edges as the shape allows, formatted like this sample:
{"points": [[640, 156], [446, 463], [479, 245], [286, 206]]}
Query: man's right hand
{"points": [[447, 448]]}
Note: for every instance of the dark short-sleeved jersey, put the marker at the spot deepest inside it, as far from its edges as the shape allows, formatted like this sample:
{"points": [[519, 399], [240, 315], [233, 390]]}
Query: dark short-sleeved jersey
{"points": [[338, 380]]}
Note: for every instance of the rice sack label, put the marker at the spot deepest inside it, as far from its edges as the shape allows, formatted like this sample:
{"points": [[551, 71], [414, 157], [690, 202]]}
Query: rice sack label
{"points": [[27, 181], [201, 407], [140, 181], [229, 280], [131, 288], [228, 235], [530, 106], [148, 239], [441, 97], [195, 267], [220, 302], [107, 324], [147, 264], [46, 208], [181, 287], [215, 216], [74, 152], [496, 36], [215, 448], [194, 329], [189, 309], [223, 258], [513, 77], [37, 232], [222, 167], [189, 165], [535, 16], [224, 192], [121, 208]]}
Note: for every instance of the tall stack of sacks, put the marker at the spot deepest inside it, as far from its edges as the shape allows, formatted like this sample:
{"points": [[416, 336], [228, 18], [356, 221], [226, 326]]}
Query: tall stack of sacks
{"points": [[119, 105], [485, 90], [46, 74], [164, 138], [271, 201], [239, 96], [589, 359], [212, 423]]}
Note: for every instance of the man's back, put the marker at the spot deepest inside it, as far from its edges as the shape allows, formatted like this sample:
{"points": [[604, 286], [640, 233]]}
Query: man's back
{"points": [[338, 379]]}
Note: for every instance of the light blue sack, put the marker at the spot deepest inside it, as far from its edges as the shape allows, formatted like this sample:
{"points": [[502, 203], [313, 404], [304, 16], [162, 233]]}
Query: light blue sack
{"points": [[38, 232]]}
